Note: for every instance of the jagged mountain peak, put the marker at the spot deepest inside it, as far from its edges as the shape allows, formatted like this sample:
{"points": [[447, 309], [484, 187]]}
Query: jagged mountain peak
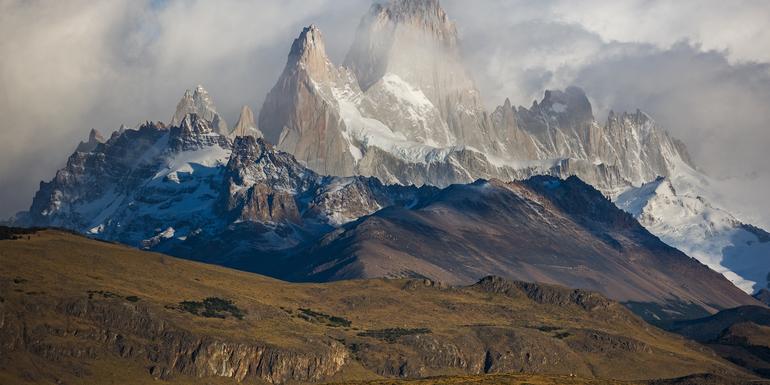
{"points": [[194, 124], [428, 12], [246, 125], [94, 139], [94, 134], [308, 52], [572, 101], [638, 116], [309, 39], [201, 91], [195, 132], [391, 34], [199, 102]]}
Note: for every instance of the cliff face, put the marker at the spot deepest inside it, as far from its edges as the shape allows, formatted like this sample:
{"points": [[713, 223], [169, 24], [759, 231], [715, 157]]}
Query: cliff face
{"points": [[98, 329], [297, 114], [388, 40], [182, 189], [246, 125], [385, 114]]}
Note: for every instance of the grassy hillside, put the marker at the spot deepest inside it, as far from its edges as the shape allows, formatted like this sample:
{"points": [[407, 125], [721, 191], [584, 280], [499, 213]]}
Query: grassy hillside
{"points": [[75, 310]]}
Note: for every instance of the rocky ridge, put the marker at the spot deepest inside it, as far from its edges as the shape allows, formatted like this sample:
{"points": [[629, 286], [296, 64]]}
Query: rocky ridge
{"points": [[199, 102], [189, 191], [385, 115]]}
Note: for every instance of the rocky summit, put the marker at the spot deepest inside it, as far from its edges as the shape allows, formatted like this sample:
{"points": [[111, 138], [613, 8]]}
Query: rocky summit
{"points": [[199, 102], [246, 125]]}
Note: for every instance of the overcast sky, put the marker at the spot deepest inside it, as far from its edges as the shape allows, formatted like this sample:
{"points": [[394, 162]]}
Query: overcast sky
{"points": [[700, 68]]}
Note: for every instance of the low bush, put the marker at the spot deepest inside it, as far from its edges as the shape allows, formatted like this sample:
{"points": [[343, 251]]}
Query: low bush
{"points": [[212, 307], [329, 320]]}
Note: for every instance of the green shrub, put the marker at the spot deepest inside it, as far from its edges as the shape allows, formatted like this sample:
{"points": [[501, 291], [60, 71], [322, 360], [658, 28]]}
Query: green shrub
{"points": [[329, 320], [212, 307]]}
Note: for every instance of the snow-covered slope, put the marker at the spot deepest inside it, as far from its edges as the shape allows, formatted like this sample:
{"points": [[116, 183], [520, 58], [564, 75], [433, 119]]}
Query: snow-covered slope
{"points": [[690, 223]]}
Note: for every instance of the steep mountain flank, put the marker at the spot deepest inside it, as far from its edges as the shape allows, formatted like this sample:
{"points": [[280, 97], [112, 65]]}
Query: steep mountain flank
{"points": [[246, 124], [199, 102], [542, 229]]}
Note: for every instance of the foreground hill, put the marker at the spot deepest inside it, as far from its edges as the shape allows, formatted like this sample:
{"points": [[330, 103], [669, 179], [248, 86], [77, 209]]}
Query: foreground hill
{"points": [[741, 335], [76, 310]]}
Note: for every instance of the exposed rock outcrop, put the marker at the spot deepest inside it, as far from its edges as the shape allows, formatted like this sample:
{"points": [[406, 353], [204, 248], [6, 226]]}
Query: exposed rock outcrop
{"points": [[110, 327], [246, 124], [94, 138], [298, 114], [200, 103]]}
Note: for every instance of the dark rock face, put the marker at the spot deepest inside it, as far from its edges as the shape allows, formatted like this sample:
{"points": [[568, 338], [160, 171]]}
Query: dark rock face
{"points": [[260, 183], [763, 295], [94, 139], [194, 133], [88, 175], [544, 294]]}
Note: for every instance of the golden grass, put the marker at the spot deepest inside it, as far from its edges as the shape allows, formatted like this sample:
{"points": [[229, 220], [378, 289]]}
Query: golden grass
{"points": [[54, 265]]}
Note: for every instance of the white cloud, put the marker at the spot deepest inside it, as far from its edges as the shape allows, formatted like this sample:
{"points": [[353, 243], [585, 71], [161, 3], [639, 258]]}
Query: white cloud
{"points": [[737, 26]]}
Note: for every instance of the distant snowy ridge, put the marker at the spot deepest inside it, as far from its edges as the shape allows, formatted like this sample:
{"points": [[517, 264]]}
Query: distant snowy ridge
{"points": [[690, 223]]}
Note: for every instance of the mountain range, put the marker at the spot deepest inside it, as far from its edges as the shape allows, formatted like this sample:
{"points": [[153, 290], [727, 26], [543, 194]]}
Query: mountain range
{"points": [[390, 165]]}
